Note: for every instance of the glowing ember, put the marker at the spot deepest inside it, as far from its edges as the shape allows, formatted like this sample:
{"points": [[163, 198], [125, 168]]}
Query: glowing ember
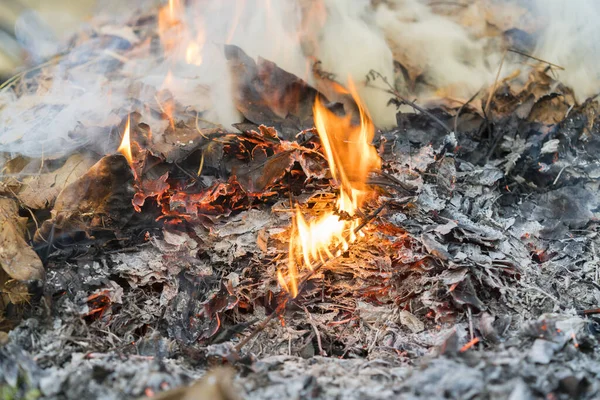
{"points": [[351, 158], [125, 147]]}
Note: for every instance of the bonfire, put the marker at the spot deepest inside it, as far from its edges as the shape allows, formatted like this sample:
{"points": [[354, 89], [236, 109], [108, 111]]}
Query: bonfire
{"points": [[302, 199]]}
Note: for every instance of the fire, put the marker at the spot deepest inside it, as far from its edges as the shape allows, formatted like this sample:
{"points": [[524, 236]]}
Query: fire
{"points": [[125, 147], [180, 39], [193, 52], [351, 159]]}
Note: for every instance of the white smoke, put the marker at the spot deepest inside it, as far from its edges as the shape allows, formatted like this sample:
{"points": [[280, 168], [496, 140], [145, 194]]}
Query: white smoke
{"points": [[451, 53], [570, 39]]}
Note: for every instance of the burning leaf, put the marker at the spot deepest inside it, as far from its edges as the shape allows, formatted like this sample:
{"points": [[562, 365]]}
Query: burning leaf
{"points": [[17, 258], [150, 188]]}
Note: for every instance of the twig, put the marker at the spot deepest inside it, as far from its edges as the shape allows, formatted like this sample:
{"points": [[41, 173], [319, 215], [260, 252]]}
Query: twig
{"points": [[397, 94], [559, 174], [461, 109], [317, 334], [592, 311], [8, 83], [493, 91], [470, 314], [537, 59], [283, 305]]}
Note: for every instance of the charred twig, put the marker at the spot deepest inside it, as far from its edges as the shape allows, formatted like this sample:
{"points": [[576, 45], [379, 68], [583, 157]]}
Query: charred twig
{"points": [[397, 181], [374, 74], [461, 109], [592, 311], [283, 305], [191, 176]]}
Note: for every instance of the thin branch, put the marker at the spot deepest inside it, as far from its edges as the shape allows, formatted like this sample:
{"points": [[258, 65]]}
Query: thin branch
{"points": [[461, 109], [537, 59], [404, 100]]}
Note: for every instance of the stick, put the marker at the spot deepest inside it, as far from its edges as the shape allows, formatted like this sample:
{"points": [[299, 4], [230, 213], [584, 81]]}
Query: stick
{"points": [[537, 59], [461, 109], [397, 94], [314, 326], [281, 307]]}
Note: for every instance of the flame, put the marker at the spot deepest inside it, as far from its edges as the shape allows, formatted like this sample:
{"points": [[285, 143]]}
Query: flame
{"points": [[125, 147], [180, 39], [169, 25], [351, 158], [193, 52]]}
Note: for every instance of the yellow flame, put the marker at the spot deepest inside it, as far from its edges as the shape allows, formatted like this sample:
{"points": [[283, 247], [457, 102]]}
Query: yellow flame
{"points": [[351, 158], [125, 147], [193, 52]]}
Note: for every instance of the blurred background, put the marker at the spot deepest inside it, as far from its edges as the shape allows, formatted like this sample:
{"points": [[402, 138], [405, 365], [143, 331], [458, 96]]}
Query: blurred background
{"points": [[21, 21]]}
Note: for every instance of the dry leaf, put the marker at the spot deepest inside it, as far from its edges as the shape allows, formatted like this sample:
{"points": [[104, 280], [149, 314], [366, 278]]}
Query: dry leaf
{"points": [[17, 258], [39, 192], [217, 385], [101, 198]]}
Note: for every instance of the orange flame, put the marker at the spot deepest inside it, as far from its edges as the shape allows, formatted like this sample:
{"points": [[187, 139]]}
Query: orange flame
{"points": [[169, 25], [125, 147], [351, 158], [179, 39]]}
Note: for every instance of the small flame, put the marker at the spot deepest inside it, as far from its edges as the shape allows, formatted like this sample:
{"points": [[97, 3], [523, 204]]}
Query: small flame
{"points": [[180, 39], [193, 53], [125, 147], [169, 25], [351, 158]]}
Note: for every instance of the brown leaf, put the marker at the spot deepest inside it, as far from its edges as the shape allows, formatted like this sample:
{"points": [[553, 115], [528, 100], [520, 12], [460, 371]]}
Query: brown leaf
{"points": [[178, 142], [39, 192], [549, 110], [266, 94], [17, 258], [263, 171], [217, 384], [102, 196]]}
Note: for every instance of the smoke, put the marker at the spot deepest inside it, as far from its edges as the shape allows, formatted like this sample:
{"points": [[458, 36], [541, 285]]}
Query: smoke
{"points": [[423, 50], [435, 49], [569, 39]]}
